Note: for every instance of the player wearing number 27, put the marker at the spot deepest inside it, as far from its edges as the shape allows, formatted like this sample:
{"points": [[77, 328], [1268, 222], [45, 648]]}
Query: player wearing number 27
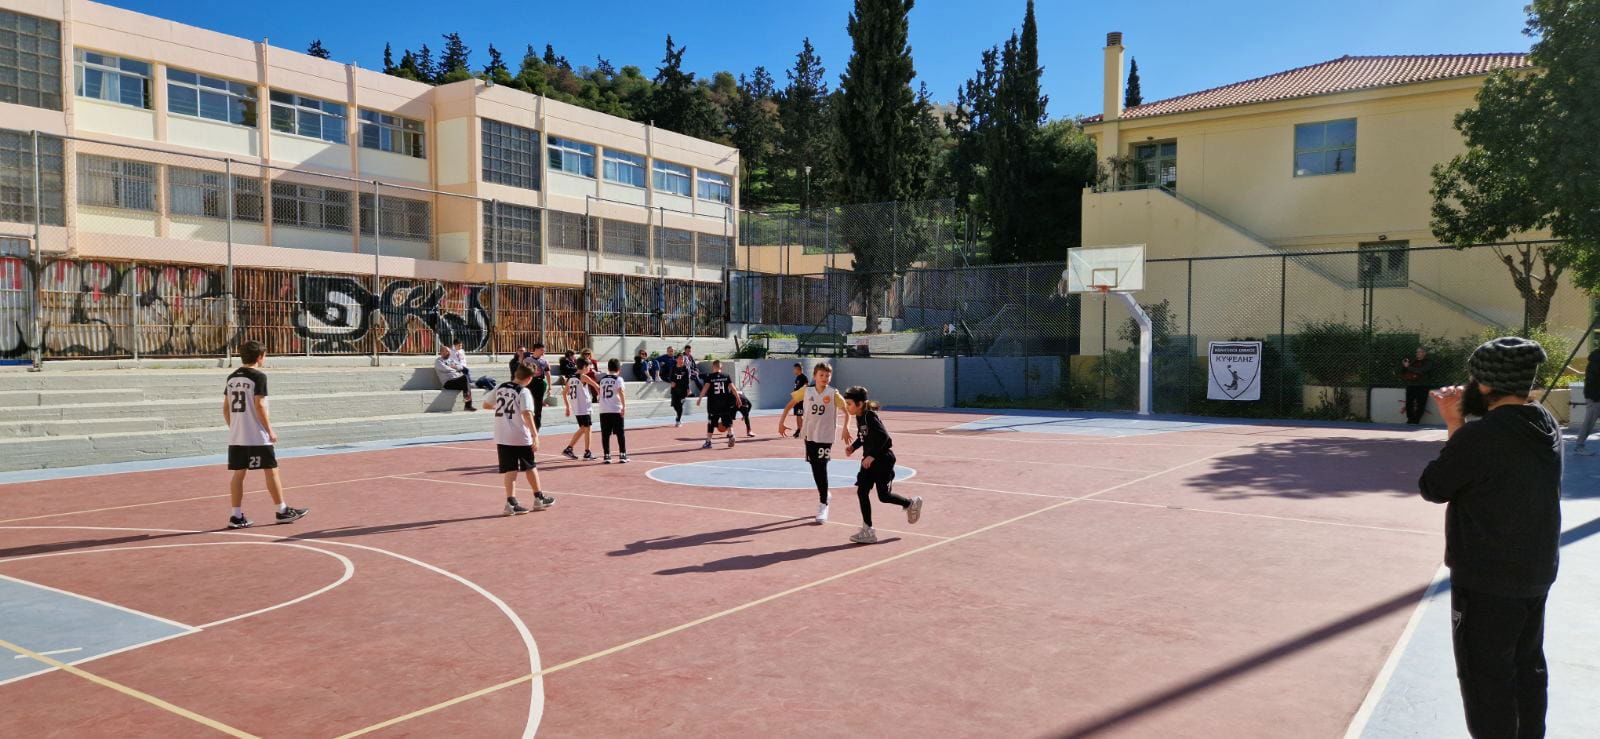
{"points": [[820, 404], [250, 435]]}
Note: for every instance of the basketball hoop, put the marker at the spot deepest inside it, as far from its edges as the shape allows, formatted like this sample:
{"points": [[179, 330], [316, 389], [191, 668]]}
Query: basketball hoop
{"points": [[1102, 289]]}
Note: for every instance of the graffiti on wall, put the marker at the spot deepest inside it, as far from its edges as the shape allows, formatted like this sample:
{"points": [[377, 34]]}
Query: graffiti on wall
{"points": [[91, 308], [336, 312]]}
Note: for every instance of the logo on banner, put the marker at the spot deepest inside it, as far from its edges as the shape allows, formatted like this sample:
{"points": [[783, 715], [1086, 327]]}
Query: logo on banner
{"points": [[1235, 370]]}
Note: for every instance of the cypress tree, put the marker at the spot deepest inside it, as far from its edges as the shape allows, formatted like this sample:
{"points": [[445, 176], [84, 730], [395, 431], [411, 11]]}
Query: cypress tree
{"points": [[678, 104], [806, 130], [496, 72], [388, 58], [408, 67], [317, 50], [754, 130], [1133, 96], [426, 71]]}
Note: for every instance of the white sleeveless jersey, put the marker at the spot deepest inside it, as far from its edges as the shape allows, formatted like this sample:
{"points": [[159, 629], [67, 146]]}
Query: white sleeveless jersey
{"points": [[578, 397], [610, 394], [821, 414]]}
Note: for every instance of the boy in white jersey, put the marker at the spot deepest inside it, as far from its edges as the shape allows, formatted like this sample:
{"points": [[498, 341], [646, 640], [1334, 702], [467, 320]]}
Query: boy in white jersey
{"points": [[820, 404], [578, 394], [613, 402], [725, 402], [516, 438], [250, 435]]}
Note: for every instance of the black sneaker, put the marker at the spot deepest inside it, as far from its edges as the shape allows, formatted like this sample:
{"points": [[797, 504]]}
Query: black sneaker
{"points": [[469, 408], [607, 459], [238, 522], [568, 453], [706, 445], [623, 459], [588, 456], [290, 515], [542, 501], [513, 508]]}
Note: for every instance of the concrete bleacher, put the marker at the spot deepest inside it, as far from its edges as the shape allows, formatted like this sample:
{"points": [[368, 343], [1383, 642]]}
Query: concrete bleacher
{"points": [[68, 417]]}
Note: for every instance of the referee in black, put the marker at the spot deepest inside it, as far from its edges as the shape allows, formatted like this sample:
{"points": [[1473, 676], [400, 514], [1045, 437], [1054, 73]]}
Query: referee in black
{"points": [[1501, 476]]}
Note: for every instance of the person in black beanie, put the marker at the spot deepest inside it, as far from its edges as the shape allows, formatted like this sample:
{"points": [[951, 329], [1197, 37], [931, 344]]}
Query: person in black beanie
{"points": [[1501, 476]]}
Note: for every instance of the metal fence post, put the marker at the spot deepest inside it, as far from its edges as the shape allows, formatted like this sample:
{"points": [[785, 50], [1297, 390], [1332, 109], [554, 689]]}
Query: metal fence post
{"points": [[133, 307], [38, 256], [493, 258], [229, 319], [1283, 333], [305, 341], [1188, 328], [377, 252]]}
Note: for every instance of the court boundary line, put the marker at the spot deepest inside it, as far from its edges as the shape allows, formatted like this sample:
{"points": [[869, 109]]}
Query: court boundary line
{"points": [[185, 500], [666, 503], [715, 464], [536, 700], [349, 571], [91, 599], [1380, 683], [760, 601], [135, 693], [1269, 516], [986, 490]]}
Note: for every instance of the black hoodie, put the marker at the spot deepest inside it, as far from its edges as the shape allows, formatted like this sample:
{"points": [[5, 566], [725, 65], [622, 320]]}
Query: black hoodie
{"points": [[1501, 476]]}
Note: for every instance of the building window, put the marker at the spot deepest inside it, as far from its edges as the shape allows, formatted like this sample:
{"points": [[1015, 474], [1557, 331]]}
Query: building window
{"points": [[111, 78], [716, 187], [1385, 264], [398, 218], [675, 245], [191, 93], [391, 133], [304, 206], [1155, 165], [30, 60], [17, 177], [624, 168], [510, 155], [572, 157], [308, 116], [713, 250], [626, 239], [672, 178], [1325, 148], [194, 192], [116, 183], [515, 238], [572, 231]]}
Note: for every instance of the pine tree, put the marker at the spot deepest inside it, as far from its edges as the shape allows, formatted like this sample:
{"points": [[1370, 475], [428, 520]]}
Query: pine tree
{"points": [[455, 63], [1133, 96], [317, 50], [426, 71], [753, 124], [806, 131], [408, 67], [678, 104], [388, 58], [603, 66], [550, 58], [496, 72]]}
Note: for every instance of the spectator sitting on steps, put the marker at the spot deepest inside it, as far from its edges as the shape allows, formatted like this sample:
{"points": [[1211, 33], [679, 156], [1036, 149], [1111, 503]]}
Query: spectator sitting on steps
{"points": [[453, 376], [643, 368], [568, 366]]}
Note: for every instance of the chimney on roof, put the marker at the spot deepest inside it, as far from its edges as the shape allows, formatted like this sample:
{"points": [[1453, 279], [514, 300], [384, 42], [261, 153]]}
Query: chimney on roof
{"points": [[1113, 76]]}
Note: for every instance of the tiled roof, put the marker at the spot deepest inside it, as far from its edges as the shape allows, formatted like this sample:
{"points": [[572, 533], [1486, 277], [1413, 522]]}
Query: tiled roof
{"points": [[1345, 74]]}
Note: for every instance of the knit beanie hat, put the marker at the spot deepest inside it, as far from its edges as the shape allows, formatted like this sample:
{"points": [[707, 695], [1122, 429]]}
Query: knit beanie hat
{"points": [[1508, 364]]}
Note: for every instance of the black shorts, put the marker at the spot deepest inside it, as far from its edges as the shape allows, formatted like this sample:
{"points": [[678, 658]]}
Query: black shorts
{"points": [[459, 383], [584, 420], [252, 458], [516, 458], [720, 417], [818, 452], [882, 470]]}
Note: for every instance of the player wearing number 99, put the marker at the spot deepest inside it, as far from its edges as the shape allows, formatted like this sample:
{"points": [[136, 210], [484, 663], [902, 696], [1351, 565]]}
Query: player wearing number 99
{"points": [[250, 435], [820, 404]]}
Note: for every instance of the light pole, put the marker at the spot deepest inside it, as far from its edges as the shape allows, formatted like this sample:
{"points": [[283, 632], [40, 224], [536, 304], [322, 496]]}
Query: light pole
{"points": [[807, 205]]}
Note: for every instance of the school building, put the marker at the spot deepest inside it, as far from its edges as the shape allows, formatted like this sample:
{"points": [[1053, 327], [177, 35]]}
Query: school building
{"points": [[1334, 156]]}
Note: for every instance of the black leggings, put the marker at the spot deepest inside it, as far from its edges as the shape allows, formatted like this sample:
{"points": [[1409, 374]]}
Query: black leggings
{"points": [[817, 455], [611, 423], [677, 405], [886, 494], [744, 410]]}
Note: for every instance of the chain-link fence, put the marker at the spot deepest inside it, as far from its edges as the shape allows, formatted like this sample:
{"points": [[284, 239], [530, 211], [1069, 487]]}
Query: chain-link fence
{"points": [[168, 253]]}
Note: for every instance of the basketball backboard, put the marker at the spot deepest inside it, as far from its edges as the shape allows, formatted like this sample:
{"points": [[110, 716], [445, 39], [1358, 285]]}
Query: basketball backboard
{"points": [[1108, 268]]}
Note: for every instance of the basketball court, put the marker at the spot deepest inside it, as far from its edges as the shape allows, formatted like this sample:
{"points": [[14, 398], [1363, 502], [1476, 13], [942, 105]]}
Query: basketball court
{"points": [[1071, 575]]}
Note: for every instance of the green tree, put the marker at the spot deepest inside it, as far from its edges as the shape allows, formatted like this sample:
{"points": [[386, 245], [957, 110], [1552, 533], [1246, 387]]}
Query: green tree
{"points": [[1133, 96], [388, 58], [753, 128], [806, 131], [426, 70], [551, 59], [1531, 160], [677, 103], [496, 72], [455, 64], [407, 68], [317, 50]]}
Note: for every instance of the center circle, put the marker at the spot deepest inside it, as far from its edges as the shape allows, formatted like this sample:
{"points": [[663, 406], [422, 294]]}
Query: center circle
{"points": [[763, 473]]}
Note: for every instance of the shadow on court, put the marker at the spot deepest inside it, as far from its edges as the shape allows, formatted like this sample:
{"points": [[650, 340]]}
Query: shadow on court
{"points": [[76, 544], [725, 536], [1318, 468], [757, 561], [348, 532]]}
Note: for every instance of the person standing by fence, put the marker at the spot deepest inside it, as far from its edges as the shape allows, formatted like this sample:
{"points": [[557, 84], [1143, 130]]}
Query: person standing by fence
{"points": [[1414, 371], [1591, 393], [1501, 476]]}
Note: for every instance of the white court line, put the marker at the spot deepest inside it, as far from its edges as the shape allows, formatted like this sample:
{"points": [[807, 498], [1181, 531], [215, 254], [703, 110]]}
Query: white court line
{"points": [[1358, 723], [51, 653], [536, 699], [186, 500], [1102, 468], [669, 503], [986, 490], [95, 601], [1271, 517], [1073, 438], [349, 570], [719, 466]]}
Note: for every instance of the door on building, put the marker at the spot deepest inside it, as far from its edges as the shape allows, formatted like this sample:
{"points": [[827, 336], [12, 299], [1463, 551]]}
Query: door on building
{"points": [[1155, 165]]}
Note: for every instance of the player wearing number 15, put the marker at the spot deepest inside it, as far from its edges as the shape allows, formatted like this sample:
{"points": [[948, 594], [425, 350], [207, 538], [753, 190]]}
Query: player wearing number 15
{"points": [[250, 435], [820, 404]]}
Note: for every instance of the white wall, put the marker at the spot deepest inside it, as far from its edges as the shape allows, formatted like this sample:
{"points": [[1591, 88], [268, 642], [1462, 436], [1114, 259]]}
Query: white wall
{"points": [[122, 221], [570, 185], [673, 202], [309, 238], [450, 146], [295, 149], [193, 228], [213, 135], [113, 118], [455, 246], [393, 247], [623, 193], [385, 165]]}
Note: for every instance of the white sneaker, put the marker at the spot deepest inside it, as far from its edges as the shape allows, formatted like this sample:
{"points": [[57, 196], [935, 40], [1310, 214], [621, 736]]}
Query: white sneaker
{"points": [[914, 511], [822, 513], [865, 536]]}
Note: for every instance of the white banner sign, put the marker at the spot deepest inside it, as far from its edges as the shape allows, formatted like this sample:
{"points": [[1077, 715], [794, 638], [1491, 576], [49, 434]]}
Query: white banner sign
{"points": [[1235, 370]]}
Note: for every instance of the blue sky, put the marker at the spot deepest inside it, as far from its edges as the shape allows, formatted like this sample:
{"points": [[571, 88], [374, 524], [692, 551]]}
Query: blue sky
{"points": [[1182, 46]]}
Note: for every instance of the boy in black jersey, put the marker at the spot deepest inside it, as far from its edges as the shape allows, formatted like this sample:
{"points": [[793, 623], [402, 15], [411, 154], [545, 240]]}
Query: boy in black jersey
{"points": [[745, 406], [725, 402], [877, 463], [680, 388], [799, 384], [250, 435]]}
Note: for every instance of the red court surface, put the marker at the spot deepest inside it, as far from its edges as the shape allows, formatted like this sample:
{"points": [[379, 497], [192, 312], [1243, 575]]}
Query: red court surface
{"points": [[1238, 581]]}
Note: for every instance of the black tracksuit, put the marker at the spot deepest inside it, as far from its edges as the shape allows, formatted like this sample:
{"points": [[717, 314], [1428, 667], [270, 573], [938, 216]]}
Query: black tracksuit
{"points": [[874, 439], [1501, 476], [680, 389], [1415, 376]]}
